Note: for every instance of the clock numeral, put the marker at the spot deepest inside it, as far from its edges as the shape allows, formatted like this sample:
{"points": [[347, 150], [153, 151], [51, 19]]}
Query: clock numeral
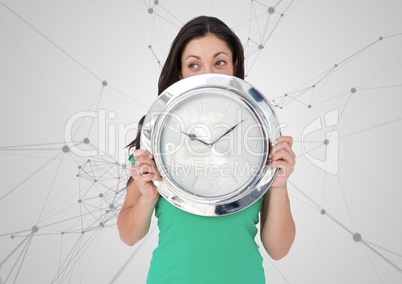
{"points": [[206, 107], [252, 143], [170, 148], [195, 180], [226, 110], [186, 112], [215, 185]]}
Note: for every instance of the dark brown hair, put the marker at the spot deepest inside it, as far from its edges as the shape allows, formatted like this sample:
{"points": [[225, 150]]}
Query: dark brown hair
{"points": [[196, 28]]}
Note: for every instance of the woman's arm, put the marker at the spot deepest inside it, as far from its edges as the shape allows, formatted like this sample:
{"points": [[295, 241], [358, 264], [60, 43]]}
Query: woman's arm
{"points": [[277, 225], [135, 215]]}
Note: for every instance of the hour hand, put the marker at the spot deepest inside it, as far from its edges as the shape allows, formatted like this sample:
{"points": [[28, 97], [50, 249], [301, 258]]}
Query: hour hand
{"points": [[194, 137]]}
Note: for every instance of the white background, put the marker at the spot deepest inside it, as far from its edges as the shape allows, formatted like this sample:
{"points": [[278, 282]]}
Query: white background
{"points": [[100, 61]]}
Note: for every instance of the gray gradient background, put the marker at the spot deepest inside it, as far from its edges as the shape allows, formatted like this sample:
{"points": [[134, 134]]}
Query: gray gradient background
{"points": [[58, 208]]}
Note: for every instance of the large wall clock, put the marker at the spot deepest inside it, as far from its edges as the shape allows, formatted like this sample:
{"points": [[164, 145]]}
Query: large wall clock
{"points": [[210, 135]]}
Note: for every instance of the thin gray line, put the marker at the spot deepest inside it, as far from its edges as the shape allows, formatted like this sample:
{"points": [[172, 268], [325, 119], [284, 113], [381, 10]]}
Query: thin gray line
{"points": [[332, 98], [32, 149], [181, 23], [344, 227], [23, 253], [60, 253], [248, 21], [50, 189], [112, 4], [302, 201], [329, 73], [15, 264], [166, 19], [311, 150], [371, 128], [156, 57], [14, 234], [255, 14], [79, 195], [276, 25], [260, 3], [24, 256], [14, 250], [372, 264], [346, 203], [97, 108], [76, 253], [50, 41], [61, 272], [319, 207], [383, 248], [97, 97], [305, 195], [316, 254], [134, 37], [103, 37], [380, 87], [339, 66], [269, 36], [27, 178], [399, 34], [382, 256], [34, 67], [212, 6], [121, 93], [358, 52], [280, 273], [30, 145], [339, 223]]}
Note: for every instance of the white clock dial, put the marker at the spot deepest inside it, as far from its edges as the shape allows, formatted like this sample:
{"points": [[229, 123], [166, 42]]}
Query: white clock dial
{"points": [[211, 145], [210, 137]]}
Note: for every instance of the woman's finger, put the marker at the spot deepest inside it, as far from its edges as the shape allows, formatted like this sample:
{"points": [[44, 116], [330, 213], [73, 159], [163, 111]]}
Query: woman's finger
{"points": [[286, 139], [147, 178], [285, 169], [141, 152], [284, 156], [144, 160], [280, 148], [144, 169]]}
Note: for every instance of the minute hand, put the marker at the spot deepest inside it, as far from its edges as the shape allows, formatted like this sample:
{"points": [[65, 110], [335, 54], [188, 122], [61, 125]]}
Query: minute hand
{"points": [[227, 132]]}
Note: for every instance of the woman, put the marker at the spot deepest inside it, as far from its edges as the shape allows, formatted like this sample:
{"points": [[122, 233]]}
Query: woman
{"points": [[198, 249]]}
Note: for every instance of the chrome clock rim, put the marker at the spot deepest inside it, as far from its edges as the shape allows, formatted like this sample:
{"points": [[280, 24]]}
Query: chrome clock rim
{"points": [[240, 89]]}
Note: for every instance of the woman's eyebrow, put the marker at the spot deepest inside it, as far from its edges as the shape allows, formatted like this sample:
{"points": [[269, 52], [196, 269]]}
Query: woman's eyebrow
{"points": [[214, 56], [195, 56], [219, 53]]}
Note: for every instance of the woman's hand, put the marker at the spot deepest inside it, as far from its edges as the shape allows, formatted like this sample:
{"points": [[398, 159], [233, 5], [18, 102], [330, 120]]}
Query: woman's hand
{"points": [[144, 172], [283, 158]]}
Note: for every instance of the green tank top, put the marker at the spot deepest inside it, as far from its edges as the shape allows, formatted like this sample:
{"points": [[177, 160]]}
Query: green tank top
{"points": [[207, 250]]}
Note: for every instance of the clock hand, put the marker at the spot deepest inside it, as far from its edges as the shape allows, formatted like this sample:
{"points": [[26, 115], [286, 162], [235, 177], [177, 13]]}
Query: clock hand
{"points": [[227, 132], [194, 137]]}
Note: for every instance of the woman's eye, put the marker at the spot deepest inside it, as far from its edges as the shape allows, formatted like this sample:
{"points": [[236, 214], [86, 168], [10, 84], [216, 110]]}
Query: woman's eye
{"points": [[192, 66], [220, 63]]}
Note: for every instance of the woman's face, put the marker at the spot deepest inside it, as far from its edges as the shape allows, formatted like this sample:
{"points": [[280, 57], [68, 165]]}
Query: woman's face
{"points": [[207, 54]]}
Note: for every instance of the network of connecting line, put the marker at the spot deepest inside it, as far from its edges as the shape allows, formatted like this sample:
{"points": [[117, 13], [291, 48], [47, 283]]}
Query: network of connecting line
{"points": [[77, 209]]}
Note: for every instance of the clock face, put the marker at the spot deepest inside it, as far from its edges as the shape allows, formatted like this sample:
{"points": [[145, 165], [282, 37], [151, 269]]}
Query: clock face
{"points": [[210, 136], [211, 144]]}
